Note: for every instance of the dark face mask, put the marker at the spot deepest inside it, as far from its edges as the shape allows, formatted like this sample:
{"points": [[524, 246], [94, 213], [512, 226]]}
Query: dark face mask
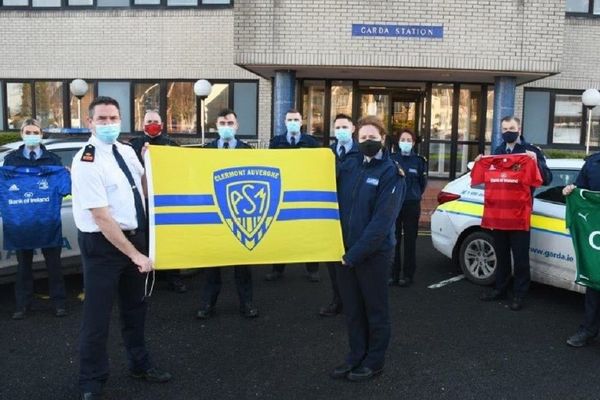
{"points": [[369, 147], [510, 136]]}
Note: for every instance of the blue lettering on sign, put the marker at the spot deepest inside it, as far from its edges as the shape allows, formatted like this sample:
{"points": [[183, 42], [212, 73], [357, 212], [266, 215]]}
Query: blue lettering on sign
{"points": [[406, 31]]}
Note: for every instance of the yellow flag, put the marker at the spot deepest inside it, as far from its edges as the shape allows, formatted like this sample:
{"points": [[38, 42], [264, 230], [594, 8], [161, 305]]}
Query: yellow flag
{"points": [[215, 207]]}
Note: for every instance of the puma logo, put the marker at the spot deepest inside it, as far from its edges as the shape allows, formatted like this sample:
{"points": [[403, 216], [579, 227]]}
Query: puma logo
{"points": [[584, 216]]}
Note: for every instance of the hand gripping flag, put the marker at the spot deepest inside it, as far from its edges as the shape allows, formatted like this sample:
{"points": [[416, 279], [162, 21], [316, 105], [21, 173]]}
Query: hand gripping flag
{"points": [[211, 207], [583, 221]]}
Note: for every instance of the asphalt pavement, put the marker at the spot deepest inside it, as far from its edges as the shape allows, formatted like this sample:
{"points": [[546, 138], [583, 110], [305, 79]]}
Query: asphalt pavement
{"points": [[446, 344]]}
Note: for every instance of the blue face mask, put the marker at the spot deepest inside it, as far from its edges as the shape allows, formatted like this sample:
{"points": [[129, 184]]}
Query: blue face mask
{"points": [[108, 133], [405, 147], [226, 132], [32, 140], [343, 135], [293, 127]]}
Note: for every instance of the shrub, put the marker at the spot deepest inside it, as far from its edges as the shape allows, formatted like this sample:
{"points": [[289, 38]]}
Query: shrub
{"points": [[9, 137]]}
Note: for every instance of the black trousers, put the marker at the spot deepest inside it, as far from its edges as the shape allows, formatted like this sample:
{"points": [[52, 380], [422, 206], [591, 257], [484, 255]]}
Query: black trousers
{"points": [[591, 316], [407, 228], [310, 267], [24, 282], [364, 292], [331, 268], [518, 243], [106, 272], [212, 287]]}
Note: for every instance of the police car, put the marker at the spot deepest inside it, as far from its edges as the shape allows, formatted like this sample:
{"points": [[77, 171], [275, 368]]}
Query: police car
{"points": [[456, 230], [66, 149]]}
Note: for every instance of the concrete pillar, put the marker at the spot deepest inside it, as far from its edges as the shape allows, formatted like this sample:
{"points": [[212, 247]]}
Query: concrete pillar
{"points": [[504, 105], [284, 98]]}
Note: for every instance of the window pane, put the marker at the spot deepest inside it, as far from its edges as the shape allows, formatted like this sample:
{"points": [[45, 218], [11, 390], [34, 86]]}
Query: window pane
{"points": [[181, 108], [578, 5], [182, 2], [18, 100], [489, 114], [567, 119], [119, 91], [464, 154], [314, 100], [1, 107], [244, 105], [216, 1], [74, 105], [377, 105], [597, 7], [214, 103], [441, 112], [81, 2], [113, 3], [468, 112], [146, 96], [341, 100], [595, 131], [536, 111], [46, 3], [439, 160], [15, 2], [147, 2], [49, 104]]}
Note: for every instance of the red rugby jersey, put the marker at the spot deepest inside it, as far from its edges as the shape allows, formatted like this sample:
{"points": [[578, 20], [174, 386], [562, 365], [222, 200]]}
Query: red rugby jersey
{"points": [[508, 180]]}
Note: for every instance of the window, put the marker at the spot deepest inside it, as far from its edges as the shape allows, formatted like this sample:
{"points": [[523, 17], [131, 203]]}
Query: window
{"points": [[553, 192], [19, 103], [591, 7], [189, 3], [1, 108], [43, 4], [119, 91], [49, 104], [567, 119], [112, 3], [46, 3], [214, 103], [341, 100], [15, 3], [77, 120], [81, 2], [146, 96], [181, 108], [313, 107], [245, 95], [536, 111]]}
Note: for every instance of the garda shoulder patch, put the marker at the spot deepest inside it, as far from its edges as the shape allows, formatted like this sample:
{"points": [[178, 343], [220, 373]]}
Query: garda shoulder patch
{"points": [[89, 153]]}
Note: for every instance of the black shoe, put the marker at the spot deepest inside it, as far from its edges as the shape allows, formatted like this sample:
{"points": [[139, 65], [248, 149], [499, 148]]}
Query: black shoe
{"points": [[341, 371], [393, 282], [363, 374], [492, 295], [18, 315], [516, 304], [273, 276], [581, 338], [91, 396], [248, 310], [205, 312], [405, 282], [313, 277], [60, 312], [154, 375], [330, 310], [177, 286]]}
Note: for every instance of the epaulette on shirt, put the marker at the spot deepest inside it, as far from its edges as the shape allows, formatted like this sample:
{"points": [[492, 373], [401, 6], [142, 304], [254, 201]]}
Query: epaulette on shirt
{"points": [[89, 153], [400, 170], [422, 157], [127, 144]]}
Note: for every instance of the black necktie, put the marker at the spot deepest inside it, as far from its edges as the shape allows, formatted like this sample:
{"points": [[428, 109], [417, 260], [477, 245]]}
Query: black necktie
{"points": [[508, 151], [342, 152], [32, 155], [140, 214], [225, 145], [292, 140]]}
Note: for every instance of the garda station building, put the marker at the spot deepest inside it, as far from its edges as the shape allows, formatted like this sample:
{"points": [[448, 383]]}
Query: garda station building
{"points": [[447, 69]]}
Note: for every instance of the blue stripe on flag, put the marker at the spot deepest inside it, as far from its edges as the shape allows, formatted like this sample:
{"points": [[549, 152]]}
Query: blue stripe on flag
{"points": [[187, 218], [308, 213], [309, 195], [166, 200]]}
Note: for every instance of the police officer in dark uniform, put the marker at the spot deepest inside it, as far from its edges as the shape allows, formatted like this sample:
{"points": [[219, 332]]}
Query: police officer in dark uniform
{"points": [[153, 135], [588, 178], [515, 241], [344, 148], [370, 193], [227, 126], [108, 210], [33, 153], [293, 139], [407, 225]]}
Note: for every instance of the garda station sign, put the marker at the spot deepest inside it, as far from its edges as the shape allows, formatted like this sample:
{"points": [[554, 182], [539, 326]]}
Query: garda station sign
{"points": [[402, 31]]}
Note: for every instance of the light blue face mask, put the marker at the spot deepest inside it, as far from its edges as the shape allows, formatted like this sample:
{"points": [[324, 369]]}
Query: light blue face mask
{"points": [[405, 147], [226, 132], [32, 140], [293, 127], [343, 135], [108, 133]]}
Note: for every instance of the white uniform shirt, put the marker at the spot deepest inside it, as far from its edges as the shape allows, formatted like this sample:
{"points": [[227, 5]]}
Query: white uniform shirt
{"points": [[101, 183]]}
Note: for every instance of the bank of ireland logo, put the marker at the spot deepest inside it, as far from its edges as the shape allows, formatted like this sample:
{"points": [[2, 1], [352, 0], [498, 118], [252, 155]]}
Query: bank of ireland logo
{"points": [[248, 199]]}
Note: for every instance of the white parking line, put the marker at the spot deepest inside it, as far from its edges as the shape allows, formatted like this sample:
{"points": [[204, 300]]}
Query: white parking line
{"points": [[446, 282]]}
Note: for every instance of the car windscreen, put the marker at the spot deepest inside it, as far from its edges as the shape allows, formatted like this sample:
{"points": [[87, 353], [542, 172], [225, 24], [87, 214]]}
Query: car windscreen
{"points": [[553, 191]]}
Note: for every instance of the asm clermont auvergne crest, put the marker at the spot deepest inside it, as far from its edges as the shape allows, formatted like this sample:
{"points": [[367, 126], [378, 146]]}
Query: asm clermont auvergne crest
{"points": [[248, 198]]}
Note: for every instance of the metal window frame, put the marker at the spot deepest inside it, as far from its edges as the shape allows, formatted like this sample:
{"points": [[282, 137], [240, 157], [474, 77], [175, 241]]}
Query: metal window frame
{"points": [[64, 4]]}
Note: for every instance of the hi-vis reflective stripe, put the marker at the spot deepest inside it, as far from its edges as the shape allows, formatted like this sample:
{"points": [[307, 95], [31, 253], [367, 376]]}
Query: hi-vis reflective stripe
{"points": [[538, 222]]}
